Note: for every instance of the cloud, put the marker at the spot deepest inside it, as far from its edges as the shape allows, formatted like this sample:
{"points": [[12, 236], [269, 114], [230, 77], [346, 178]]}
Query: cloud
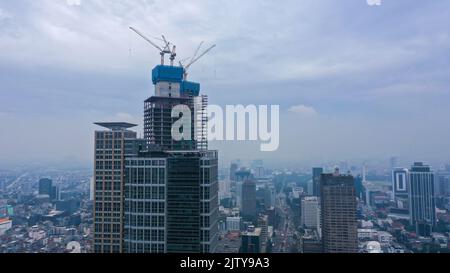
{"points": [[303, 110], [57, 61], [4, 15], [74, 2], [125, 117], [374, 2], [4, 114]]}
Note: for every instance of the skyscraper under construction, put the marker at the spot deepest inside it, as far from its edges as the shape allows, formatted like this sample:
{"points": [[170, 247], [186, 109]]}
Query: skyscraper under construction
{"points": [[168, 197], [171, 189]]}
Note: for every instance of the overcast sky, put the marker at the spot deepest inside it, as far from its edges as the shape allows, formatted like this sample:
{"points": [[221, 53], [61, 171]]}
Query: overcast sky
{"points": [[353, 80]]}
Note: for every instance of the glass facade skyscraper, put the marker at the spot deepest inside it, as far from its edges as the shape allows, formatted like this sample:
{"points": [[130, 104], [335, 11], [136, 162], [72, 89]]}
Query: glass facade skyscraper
{"points": [[316, 172], [171, 202], [421, 196]]}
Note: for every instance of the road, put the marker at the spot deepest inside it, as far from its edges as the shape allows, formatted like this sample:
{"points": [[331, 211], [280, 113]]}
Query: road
{"points": [[284, 241]]}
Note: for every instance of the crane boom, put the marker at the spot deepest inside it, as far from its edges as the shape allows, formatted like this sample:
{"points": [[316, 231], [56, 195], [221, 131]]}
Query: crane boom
{"points": [[198, 58], [147, 39], [197, 50]]}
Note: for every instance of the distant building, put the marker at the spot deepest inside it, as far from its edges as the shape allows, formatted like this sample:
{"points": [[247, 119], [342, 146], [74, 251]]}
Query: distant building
{"points": [[271, 214], [360, 189], [400, 187], [378, 198], [5, 225], [270, 196], [258, 168], [233, 170], [393, 161], [45, 186], [338, 207], [233, 223], [385, 238], [55, 194], [263, 223], [251, 240], [442, 188], [367, 234], [241, 176], [248, 210], [310, 242], [421, 197], [6, 210], [224, 189], [310, 213], [316, 172], [70, 205]]}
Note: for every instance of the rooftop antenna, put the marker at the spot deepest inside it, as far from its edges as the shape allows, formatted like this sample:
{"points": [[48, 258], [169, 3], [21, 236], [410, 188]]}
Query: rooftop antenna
{"points": [[194, 59], [162, 50]]}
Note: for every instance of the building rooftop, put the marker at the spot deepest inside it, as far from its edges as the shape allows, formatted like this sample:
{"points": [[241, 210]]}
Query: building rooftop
{"points": [[4, 220], [255, 232], [116, 125]]}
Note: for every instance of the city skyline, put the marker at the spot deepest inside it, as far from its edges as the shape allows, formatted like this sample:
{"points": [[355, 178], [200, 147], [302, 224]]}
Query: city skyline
{"points": [[306, 127], [346, 88]]}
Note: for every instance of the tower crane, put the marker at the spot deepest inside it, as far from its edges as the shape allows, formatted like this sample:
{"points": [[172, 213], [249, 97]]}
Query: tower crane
{"points": [[172, 52], [194, 59], [162, 50]]}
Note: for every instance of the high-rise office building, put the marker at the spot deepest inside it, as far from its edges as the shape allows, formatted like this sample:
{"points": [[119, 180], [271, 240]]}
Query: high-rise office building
{"points": [[224, 189], [111, 147], [145, 204], [248, 211], [269, 196], [55, 193], [442, 185], [316, 172], [263, 224], [45, 186], [233, 169], [207, 185], [338, 209], [257, 167], [171, 202], [251, 240], [360, 189], [393, 162], [241, 175], [310, 212], [400, 187], [421, 197]]}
